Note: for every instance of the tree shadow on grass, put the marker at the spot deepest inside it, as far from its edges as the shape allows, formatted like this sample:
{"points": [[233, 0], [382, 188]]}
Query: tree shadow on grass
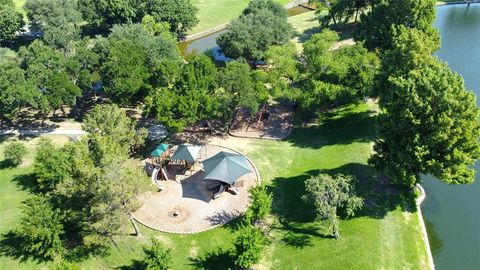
{"points": [[297, 217], [27, 182], [344, 129], [11, 246], [136, 265], [219, 259], [6, 164]]}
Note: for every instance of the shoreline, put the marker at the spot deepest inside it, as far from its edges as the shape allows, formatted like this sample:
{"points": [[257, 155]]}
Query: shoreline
{"points": [[418, 202], [441, 3]]}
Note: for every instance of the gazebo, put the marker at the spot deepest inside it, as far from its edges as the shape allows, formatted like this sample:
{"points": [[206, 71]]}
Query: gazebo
{"points": [[226, 168], [187, 153]]}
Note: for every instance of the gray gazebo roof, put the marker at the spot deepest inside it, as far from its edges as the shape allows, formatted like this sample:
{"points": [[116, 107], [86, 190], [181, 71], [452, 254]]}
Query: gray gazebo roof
{"points": [[226, 167], [187, 152]]}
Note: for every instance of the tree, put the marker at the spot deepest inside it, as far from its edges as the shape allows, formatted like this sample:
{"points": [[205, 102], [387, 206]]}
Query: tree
{"points": [[377, 26], [157, 257], [46, 71], [336, 76], [284, 67], [114, 199], [329, 194], [179, 14], [238, 89], [249, 246], [261, 204], [14, 91], [40, 229], [112, 121], [107, 12], [253, 33], [51, 166], [429, 125], [157, 46], [10, 22], [189, 99], [15, 152], [59, 20], [125, 71]]}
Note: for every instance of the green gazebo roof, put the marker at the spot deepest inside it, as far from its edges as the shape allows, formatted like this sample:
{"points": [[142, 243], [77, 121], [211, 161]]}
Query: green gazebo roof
{"points": [[160, 150], [226, 167]]}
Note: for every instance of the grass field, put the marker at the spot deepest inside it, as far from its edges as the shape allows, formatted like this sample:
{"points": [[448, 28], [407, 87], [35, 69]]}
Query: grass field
{"points": [[386, 235]]}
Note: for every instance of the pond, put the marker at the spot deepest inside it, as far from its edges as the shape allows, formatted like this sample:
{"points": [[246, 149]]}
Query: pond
{"points": [[209, 42], [452, 213]]}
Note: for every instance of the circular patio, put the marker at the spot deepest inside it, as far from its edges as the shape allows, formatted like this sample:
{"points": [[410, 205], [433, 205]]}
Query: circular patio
{"points": [[186, 203]]}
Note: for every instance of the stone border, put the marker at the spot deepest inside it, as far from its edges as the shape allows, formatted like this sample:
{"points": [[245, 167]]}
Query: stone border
{"points": [[419, 201], [257, 180], [439, 4]]}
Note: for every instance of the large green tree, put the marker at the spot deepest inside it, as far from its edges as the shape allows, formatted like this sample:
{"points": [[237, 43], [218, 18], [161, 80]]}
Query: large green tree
{"points": [[125, 72], [238, 89], [261, 26], [112, 121], [430, 125], [429, 122], [10, 22], [40, 231], [14, 91], [179, 14], [46, 70], [377, 26], [189, 99], [51, 166], [284, 68], [336, 76], [108, 12], [157, 47], [329, 194], [59, 20]]}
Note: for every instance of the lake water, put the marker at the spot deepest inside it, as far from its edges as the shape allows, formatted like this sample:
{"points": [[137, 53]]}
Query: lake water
{"points": [[452, 213]]}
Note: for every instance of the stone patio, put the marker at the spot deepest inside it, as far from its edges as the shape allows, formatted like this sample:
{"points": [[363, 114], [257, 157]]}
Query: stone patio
{"points": [[186, 203]]}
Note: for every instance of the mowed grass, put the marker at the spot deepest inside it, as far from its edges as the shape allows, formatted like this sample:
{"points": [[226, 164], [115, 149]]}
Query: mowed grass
{"points": [[212, 13], [385, 235]]}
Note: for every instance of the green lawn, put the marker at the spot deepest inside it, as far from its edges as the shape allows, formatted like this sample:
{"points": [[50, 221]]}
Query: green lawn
{"points": [[385, 235]]}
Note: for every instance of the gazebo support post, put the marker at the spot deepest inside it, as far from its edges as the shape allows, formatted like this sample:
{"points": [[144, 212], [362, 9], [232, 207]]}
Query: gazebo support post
{"points": [[135, 227]]}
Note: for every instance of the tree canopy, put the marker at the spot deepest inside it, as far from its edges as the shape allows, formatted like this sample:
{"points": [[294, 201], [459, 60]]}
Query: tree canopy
{"points": [[59, 20], [47, 71], [10, 22], [377, 26], [107, 12], [179, 14], [430, 126], [336, 76], [262, 25]]}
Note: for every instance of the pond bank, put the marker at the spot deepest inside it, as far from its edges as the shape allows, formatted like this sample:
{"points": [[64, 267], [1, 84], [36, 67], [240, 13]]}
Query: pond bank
{"points": [[423, 227]]}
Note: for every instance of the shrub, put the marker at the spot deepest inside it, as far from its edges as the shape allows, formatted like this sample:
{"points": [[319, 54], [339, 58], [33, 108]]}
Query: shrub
{"points": [[261, 204], [249, 246], [157, 256], [15, 152]]}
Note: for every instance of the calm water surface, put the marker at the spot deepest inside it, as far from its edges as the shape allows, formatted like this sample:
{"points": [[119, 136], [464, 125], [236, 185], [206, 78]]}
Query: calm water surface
{"points": [[452, 213]]}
